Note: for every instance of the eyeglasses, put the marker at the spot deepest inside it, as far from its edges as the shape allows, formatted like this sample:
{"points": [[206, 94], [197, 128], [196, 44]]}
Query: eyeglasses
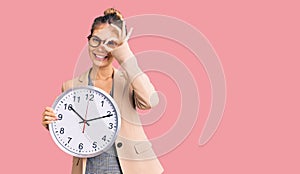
{"points": [[95, 41]]}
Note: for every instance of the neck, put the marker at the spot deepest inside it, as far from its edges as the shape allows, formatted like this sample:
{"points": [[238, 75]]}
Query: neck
{"points": [[102, 73]]}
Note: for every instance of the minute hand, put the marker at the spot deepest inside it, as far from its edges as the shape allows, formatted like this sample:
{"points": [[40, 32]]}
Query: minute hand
{"points": [[109, 115]]}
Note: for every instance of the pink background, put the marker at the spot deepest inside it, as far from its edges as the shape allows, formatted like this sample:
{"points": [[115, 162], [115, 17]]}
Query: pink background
{"points": [[257, 43]]}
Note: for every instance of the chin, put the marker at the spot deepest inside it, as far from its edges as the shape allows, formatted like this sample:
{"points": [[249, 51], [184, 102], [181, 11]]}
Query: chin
{"points": [[102, 63]]}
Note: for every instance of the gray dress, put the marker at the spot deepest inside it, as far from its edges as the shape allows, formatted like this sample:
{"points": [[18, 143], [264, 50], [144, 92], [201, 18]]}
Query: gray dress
{"points": [[107, 162]]}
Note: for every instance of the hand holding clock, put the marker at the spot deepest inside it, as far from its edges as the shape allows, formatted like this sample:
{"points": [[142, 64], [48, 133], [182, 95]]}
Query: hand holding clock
{"points": [[48, 117]]}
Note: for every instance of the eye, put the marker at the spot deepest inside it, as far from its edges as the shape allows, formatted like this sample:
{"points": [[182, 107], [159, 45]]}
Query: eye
{"points": [[94, 39], [112, 43]]}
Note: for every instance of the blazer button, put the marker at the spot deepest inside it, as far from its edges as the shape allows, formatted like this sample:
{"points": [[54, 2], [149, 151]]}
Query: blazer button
{"points": [[119, 145]]}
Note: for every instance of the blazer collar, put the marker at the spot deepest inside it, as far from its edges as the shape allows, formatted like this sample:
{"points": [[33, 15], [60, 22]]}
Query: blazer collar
{"points": [[84, 78]]}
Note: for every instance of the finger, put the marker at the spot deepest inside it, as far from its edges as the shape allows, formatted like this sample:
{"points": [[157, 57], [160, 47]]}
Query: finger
{"points": [[118, 29], [112, 42], [108, 49], [111, 39], [47, 122], [49, 118], [47, 113], [123, 31], [49, 109], [128, 35]]}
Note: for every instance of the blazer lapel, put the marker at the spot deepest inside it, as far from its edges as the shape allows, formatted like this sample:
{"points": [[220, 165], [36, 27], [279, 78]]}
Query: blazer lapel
{"points": [[83, 79], [119, 83]]}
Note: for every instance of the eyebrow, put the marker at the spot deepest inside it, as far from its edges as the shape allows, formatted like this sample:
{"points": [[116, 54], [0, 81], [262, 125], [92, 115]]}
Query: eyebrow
{"points": [[99, 38]]}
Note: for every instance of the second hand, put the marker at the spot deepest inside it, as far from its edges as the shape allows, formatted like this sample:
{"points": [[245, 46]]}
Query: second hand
{"points": [[87, 107]]}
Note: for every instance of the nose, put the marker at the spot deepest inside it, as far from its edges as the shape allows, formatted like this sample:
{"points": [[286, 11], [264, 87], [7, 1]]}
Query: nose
{"points": [[101, 47]]}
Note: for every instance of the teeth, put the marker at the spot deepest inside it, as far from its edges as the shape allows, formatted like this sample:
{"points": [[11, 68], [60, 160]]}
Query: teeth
{"points": [[100, 57]]}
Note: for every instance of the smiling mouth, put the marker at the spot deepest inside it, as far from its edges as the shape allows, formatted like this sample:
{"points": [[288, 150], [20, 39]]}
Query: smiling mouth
{"points": [[99, 57]]}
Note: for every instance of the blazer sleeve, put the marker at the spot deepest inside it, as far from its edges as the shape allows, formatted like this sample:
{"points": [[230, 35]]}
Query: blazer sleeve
{"points": [[144, 94]]}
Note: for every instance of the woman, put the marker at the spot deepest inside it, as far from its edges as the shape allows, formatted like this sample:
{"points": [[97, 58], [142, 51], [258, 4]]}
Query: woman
{"points": [[131, 88]]}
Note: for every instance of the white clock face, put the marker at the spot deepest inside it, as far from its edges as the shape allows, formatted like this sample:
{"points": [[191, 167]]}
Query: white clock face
{"points": [[88, 121]]}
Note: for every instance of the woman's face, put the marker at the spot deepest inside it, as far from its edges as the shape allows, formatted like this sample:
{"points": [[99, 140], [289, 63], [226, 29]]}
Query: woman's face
{"points": [[99, 56]]}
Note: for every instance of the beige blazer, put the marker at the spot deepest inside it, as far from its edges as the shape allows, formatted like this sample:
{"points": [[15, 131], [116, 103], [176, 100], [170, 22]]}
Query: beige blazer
{"points": [[133, 147]]}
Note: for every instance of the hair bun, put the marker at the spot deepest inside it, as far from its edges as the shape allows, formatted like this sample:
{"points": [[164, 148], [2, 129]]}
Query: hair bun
{"points": [[113, 11]]}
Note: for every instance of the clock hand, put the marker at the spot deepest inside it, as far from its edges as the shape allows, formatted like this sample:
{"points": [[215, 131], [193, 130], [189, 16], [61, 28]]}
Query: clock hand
{"points": [[85, 122], [78, 115], [109, 115]]}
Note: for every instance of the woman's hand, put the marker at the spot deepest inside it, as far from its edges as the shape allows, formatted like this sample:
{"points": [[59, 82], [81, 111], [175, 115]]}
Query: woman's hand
{"points": [[48, 117], [120, 49], [120, 38]]}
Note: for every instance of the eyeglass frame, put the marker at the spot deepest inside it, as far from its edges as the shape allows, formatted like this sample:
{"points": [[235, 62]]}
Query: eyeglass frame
{"points": [[100, 41]]}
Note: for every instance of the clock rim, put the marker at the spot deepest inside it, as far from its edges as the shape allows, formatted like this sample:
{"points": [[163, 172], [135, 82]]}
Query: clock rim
{"points": [[110, 144]]}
